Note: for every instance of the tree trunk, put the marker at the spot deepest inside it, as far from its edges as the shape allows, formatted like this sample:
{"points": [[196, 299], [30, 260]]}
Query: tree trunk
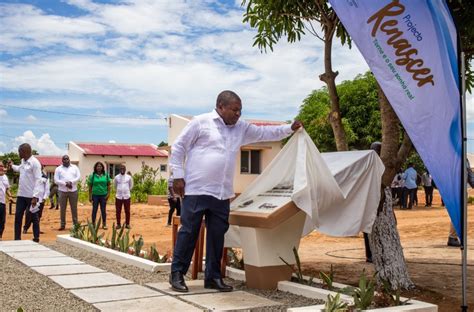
{"points": [[329, 77], [387, 252], [392, 154]]}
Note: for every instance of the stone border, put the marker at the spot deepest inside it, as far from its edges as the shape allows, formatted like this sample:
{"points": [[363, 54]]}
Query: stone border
{"points": [[114, 254], [318, 293]]}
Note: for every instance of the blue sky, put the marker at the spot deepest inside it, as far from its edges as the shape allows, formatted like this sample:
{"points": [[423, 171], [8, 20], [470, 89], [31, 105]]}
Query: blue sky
{"points": [[125, 61]]}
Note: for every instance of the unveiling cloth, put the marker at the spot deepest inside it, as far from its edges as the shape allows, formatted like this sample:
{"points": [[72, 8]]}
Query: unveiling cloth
{"points": [[339, 192]]}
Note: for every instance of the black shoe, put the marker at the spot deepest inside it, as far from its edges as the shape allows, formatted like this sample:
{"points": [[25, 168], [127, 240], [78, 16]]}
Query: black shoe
{"points": [[57, 208], [118, 227], [52, 207], [453, 242], [217, 283], [62, 228], [177, 282], [36, 240]]}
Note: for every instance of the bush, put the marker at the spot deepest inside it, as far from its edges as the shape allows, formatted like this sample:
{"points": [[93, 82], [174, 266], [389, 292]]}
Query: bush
{"points": [[148, 182]]}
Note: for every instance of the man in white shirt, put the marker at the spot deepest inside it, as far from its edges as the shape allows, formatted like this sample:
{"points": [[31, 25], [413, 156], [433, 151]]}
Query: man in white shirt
{"points": [[203, 161], [43, 193], [66, 177], [28, 188], [123, 184]]}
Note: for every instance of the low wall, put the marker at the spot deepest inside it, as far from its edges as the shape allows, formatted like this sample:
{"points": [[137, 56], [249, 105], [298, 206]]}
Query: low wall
{"points": [[157, 200]]}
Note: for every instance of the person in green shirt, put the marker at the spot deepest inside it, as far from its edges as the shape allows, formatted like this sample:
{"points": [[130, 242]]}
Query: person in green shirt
{"points": [[99, 191]]}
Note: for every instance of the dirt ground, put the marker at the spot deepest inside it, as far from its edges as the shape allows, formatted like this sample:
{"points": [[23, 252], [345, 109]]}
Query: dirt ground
{"points": [[433, 267]]}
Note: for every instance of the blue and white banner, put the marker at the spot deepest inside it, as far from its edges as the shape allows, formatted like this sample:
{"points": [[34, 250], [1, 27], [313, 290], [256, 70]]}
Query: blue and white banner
{"points": [[410, 47]]}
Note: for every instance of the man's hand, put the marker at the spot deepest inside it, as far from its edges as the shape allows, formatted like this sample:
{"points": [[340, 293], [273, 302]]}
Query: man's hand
{"points": [[178, 187], [90, 199], [296, 125], [34, 201], [9, 164]]}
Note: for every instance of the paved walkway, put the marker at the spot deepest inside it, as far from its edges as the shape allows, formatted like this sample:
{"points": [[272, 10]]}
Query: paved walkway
{"points": [[110, 292]]}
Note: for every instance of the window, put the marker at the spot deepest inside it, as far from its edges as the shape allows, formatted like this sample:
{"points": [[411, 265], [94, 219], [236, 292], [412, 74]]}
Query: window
{"points": [[163, 168], [113, 169], [250, 161]]}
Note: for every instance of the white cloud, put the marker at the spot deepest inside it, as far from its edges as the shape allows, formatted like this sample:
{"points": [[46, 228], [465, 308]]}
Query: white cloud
{"points": [[3, 148], [44, 145], [3, 113], [112, 141], [31, 118]]}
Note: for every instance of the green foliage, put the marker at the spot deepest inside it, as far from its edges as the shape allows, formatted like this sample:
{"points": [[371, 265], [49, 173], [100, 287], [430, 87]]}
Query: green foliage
{"points": [[364, 295], [289, 18], [298, 271], [415, 158], [388, 297], [77, 231], [327, 278], [335, 304], [359, 106], [20, 309], [153, 255], [15, 158], [137, 245], [148, 182], [93, 231], [124, 242]]}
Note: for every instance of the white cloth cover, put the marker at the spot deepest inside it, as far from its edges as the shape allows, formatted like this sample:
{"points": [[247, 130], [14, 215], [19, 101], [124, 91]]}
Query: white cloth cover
{"points": [[339, 192]]}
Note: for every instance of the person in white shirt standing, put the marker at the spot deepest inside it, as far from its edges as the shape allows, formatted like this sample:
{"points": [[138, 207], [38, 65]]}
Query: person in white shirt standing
{"points": [[4, 190], [66, 177], [42, 195], [203, 161], [123, 185], [28, 188]]}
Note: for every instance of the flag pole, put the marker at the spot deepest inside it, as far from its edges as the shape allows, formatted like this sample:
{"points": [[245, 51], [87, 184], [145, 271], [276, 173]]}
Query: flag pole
{"points": [[463, 185]]}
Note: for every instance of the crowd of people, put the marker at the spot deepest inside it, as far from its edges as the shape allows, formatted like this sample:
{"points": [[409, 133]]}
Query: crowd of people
{"points": [[405, 187], [34, 189]]}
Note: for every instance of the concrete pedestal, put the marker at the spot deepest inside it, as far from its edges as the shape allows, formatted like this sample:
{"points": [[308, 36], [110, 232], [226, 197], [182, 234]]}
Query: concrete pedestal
{"points": [[262, 248]]}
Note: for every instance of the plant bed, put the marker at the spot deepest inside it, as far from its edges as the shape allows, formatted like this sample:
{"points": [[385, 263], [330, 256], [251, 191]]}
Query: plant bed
{"points": [[120, 247], [114, 254], [323, 294]]}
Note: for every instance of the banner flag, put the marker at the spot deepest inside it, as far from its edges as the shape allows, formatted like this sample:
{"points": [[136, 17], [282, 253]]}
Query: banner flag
{"points": [[411, 47]]}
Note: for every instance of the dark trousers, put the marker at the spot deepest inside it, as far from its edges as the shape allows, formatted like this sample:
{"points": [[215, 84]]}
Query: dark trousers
{"points": [[408, 196], [53, 199], [3, 215], [216, 214], [428, 195], [22, 207], [96, 201], [118, 210], [28, 217], [174, 205], [368, 251]]}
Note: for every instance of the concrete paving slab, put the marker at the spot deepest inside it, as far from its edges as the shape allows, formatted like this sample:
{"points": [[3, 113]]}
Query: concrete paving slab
{"points": [[114, 293], [23, 247], [17, 243], [36, 254], [33, 262], [195, 287], [235, 300], [163, 303], [66, 269], [89, 280]]}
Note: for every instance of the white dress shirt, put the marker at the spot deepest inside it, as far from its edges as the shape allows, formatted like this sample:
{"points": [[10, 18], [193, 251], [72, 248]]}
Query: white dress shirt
{"points": [[4, 185], [123, 184], [30, 177], [205, 152], [64, 174]]}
